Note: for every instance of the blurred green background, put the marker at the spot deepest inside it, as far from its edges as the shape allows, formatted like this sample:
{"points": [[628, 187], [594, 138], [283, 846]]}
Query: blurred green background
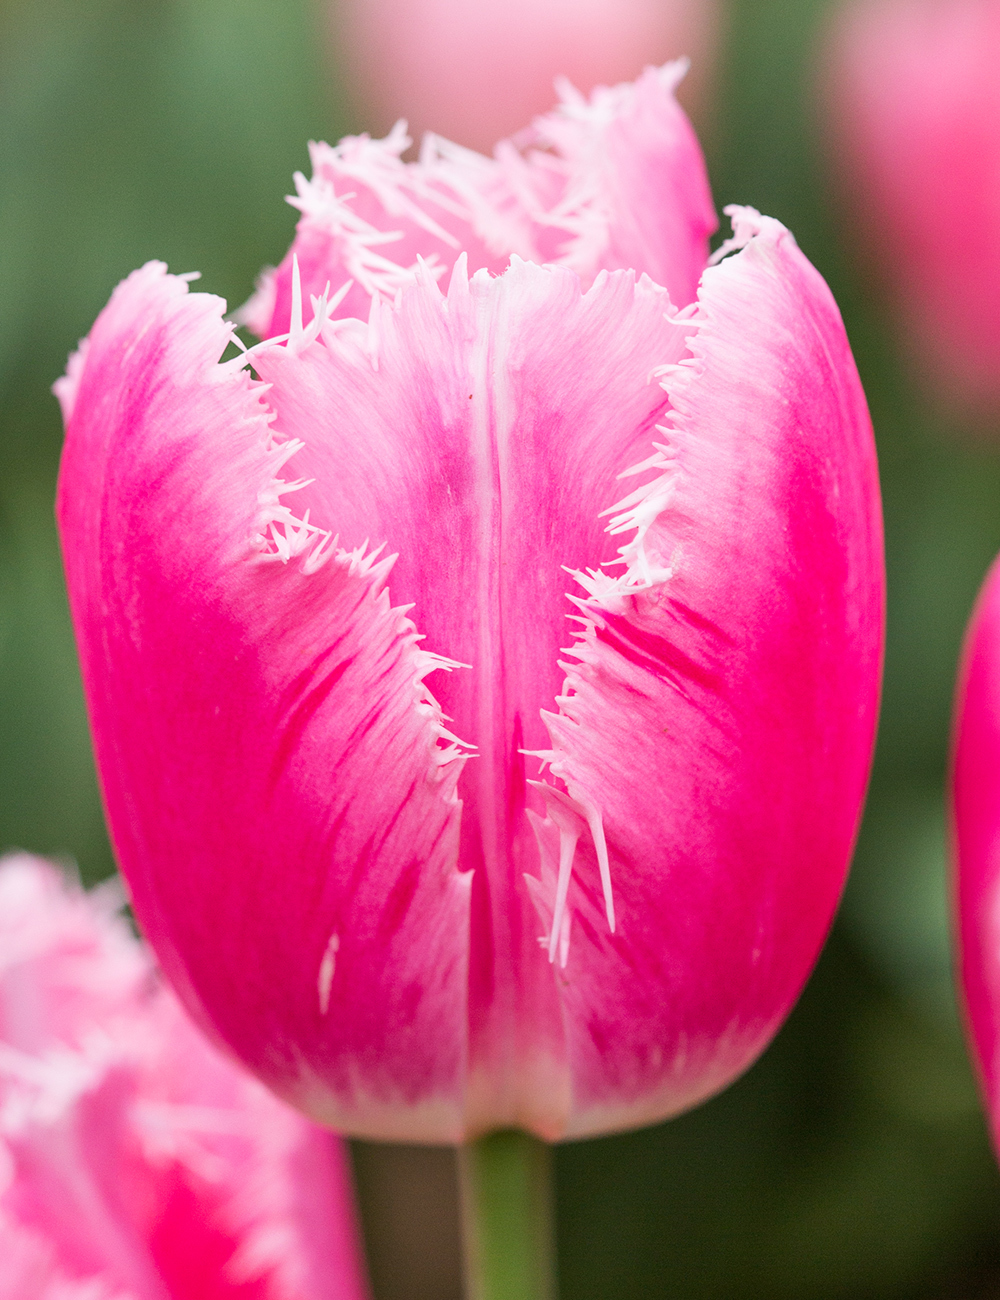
{"points": [[852, 1161]]}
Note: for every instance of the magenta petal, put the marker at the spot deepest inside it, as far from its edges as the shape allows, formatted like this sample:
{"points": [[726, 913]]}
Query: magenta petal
{"points": [[720, 703], [276, 777], [976, 804], [613, 181]]}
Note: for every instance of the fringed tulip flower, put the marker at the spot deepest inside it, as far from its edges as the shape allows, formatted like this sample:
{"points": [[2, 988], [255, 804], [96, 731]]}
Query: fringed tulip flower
{"points": [[976, 818], [916, 99], [476, 72], [629, 524], [136, 1163]]}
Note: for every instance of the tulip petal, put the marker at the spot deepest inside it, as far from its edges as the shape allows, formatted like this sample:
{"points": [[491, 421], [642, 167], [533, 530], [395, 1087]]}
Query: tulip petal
{"points": [[367, 217], [612, 182], [977, 833], [274, 771], [720, 702], [634, 192], [481, 449]]}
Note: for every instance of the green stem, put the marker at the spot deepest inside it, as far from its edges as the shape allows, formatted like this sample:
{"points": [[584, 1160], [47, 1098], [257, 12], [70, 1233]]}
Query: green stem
{"points": [[505, 1183]]}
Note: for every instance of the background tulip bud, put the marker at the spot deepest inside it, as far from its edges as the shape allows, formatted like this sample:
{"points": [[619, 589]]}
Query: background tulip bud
{"points": [[976, 813], [478, 72], [916, 100]]}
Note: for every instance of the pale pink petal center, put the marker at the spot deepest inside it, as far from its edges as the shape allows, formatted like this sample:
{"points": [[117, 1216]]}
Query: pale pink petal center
{"points": [[482, 451]]}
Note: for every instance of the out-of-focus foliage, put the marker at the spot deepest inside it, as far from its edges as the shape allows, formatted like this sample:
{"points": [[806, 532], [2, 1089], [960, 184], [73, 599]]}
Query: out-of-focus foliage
{"points": [[851, 1162], [129, 129]]}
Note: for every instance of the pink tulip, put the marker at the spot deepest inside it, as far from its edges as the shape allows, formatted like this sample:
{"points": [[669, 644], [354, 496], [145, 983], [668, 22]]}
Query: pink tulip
{"points": [[578, 888], [477, 72], [976, 814], [917, 100], [136, 1163]]}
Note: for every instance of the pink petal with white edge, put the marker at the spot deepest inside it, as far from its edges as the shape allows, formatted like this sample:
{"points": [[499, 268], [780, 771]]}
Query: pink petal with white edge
{"points": [[137, 1162], [976, 814], [613, 181], [482, 449], [635, 192], [279, 785], [720, 703]]}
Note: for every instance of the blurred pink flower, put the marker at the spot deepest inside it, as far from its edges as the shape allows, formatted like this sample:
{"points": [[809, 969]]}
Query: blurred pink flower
{"points": [[478, 72], [135, 1162], [976, 814], [604, 914], [916, 97]]}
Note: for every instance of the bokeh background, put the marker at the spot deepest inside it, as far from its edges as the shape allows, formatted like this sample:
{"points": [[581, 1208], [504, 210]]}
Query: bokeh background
{"points": [[852, 1160]]}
